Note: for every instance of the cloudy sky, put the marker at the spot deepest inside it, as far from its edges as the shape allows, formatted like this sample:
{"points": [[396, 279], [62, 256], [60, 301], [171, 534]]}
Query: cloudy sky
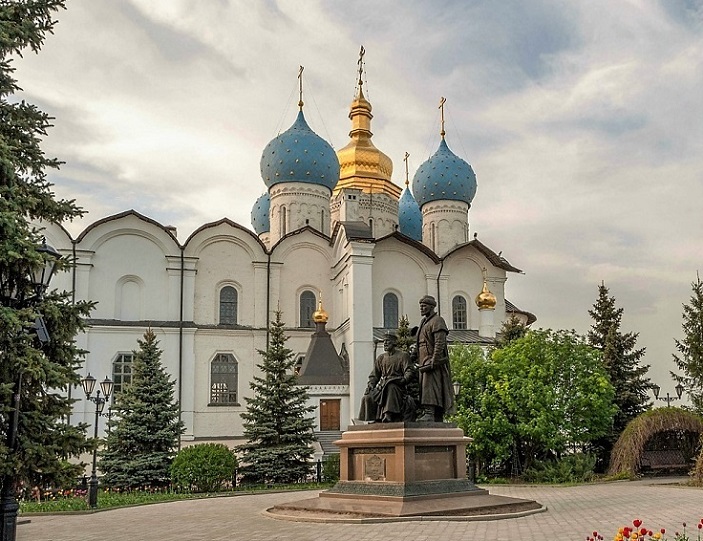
{"points": [[583, 122]]}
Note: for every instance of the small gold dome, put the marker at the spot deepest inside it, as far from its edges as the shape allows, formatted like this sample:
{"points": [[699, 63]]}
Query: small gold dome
{"points": [[486, 300], [320, 316]]}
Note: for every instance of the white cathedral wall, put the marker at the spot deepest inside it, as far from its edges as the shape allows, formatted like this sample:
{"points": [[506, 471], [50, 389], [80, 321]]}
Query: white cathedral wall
{"points": [[304, 263], [402, 270], [464, 271]]}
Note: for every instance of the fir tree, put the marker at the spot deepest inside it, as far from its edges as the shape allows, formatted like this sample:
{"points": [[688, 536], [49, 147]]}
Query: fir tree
{"points": [[621, 359], [40, 375], [511, 330], [144, 436], [690, 358], [405, 341], [277, 424]]}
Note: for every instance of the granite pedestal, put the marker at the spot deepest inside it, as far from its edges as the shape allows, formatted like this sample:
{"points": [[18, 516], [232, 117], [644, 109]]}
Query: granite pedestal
{"points": [[403, 470]]}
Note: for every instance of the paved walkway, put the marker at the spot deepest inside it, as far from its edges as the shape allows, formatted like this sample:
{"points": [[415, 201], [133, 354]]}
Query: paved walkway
{"points": [[573, 512]]}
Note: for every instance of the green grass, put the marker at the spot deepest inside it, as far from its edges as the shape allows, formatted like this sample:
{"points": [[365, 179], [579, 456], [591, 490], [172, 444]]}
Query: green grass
{"points": [[111, 499]]}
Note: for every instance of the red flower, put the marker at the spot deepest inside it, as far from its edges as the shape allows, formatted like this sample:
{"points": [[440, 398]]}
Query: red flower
{"points": [[662, 531], [595, 534], [700, 525], [637, 522]]}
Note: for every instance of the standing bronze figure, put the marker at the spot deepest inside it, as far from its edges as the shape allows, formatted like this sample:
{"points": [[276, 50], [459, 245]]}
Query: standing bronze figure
{"points": [[436, 392]]}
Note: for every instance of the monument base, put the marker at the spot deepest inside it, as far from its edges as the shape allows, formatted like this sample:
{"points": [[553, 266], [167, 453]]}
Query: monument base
{"points": [[403, 470]]}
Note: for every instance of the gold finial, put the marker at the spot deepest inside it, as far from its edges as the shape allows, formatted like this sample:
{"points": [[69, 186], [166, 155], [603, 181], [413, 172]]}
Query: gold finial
{"points": [[441, 108], [362, 52], [407, 155], [320, 316], [486, 300], [300, 81]]}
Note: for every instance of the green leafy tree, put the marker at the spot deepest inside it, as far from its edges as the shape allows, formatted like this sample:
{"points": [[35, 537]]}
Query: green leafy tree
{"points": [[39, 375], [144, 436], [690, 357], [536, 398], [277, 425], [621, 359]]}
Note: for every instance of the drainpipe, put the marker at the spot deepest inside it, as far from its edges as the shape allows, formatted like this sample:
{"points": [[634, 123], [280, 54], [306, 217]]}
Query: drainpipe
{"points": [[180, 345], [268, 297], [439, 302]]}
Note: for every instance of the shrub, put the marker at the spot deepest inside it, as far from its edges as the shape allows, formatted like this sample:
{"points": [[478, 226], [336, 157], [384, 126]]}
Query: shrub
{"points": [[330, 468], [575, 468], [204, 467]]}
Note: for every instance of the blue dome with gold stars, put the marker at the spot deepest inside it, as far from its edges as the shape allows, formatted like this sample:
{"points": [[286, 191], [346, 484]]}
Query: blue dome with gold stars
{"points": [[300, 155], [409, 215], [260, 214], [444, 176]]}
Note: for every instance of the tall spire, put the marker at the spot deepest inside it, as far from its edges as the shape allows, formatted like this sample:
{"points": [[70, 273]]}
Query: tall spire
{"points": [[361, 165]]}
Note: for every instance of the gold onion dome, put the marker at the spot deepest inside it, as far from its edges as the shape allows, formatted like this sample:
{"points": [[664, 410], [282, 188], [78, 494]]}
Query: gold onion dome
{"points": [[486, 299], [320, 316], [361, 164]]}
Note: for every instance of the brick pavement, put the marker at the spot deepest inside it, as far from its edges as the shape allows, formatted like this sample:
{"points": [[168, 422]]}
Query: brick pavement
{"points": [[572, 513]]}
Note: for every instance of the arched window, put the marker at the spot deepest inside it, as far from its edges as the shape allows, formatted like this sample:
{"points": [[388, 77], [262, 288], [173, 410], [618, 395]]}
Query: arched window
{"points": [[121, 372], [284, 221], [224, 379], [307, 308], [228, 306], [390, 311], [459, 312]]}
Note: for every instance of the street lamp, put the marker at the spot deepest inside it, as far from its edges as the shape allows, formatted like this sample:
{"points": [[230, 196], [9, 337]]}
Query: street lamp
{"points": [[106, 386], [668, 398], [457, 388], [13, 295]]}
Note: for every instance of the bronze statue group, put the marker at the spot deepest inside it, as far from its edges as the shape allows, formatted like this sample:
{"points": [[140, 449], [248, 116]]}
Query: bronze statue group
{"points": [[414, 386]]}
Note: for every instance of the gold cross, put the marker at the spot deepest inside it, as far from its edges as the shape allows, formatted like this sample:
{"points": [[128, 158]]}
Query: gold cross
{"points": [[300, 80], [362, 52], [441, 107], [406, 168]]}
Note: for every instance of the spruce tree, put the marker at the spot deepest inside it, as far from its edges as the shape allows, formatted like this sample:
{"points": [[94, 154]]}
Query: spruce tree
{"points": [[39, 374], [277, 425], [144, 434], [405, 341], [512, 329], [621, 359], [690, 358]]}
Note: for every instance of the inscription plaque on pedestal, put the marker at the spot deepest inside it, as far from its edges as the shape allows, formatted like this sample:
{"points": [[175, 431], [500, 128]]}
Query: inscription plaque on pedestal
{"points": [[375, 468]]}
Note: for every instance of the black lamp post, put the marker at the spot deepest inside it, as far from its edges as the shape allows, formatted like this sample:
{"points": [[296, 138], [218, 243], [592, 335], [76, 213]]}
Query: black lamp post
{"points": [[106, 386], [14, 295], [668, 398]]}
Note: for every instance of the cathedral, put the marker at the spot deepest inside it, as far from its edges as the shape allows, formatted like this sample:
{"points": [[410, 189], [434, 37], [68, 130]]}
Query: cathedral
{"points": [[339, 248]]}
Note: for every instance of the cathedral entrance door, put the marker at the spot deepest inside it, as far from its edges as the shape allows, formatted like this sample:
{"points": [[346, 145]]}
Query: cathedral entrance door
{"points": [[329, 414]]}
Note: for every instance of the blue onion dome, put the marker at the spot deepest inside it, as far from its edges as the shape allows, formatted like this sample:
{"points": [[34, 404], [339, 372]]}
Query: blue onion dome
{"points": [[299, 155], [260, 214], [444, 176], [409, 215]]}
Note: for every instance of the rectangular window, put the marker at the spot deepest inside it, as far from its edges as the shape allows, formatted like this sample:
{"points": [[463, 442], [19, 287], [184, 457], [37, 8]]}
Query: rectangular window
{"points": [[121, 372]]}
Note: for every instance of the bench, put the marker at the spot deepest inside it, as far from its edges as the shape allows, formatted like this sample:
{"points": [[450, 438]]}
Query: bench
{"points": [[664, 459]]}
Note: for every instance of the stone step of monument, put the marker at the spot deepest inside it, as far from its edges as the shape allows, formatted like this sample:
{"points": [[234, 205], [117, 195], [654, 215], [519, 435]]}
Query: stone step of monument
{"points": [[326, 438]]}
